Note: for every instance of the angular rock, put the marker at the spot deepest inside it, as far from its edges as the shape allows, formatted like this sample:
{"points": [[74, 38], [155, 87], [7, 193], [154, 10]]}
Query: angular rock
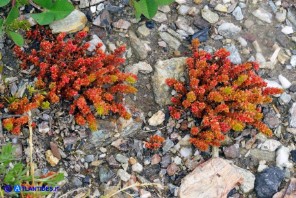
{"points": [[105, 174], [170, 40], [268, 181], [138, 46], [74, 22], [237, 13], [141, 67], [282, 158], [234, 54], [209, 16], [157, 118], [263, 15], [103, 20], [293, 115], [52, 160], [143, 30], [231, 151], [215, 178], [124, 176], [160, 17], [55, 150], [270, 145], [171, 68], [94, 42], [172, 169], [121, 24], [182, 23], [229, 30], [284, 82], [221, 8]]}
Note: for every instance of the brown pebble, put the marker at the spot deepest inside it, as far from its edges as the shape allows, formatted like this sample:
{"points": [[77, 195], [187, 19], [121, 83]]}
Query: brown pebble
{"points": [[177, 53], [132, 160], [55, 150], [155, 159], [172, 169]]}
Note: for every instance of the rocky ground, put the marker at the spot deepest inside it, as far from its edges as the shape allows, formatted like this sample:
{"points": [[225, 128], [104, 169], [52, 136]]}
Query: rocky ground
{"points": [[113, 157]]}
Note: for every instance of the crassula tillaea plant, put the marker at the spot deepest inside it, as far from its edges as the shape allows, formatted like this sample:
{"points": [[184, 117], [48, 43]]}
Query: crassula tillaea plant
{"points": [[223, 96], [92, 82]]}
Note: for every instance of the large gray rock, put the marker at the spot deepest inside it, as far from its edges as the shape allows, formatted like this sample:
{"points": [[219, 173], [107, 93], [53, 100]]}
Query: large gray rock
{"points": [[171, 68], [74, 22]]}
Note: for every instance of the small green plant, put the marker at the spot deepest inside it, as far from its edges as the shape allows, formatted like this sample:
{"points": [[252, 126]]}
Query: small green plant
{"points": [[16, 173], [52, 10], [148, 8]]}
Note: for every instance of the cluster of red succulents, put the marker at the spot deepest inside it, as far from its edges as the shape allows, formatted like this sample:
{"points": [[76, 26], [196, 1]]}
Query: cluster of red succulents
{"points": [[20, 107], [92, 82], [154, 142], [222, 95]]}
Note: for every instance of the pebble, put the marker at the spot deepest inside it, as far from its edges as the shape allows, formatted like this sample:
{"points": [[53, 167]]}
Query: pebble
{"points": [[293, 60], [137, 167], [160, 17], [43, 128], [268, 181], [167, 145], [76, 182], [100, 7], [150, 24], [237, 13], [89, 158], [262, 166], [105, 174], [287, 30], [234, 54], [285, 98], [248, 23], [172, 169], [282, 158], [293, 115], [177, 160], [284, 82], [155, 159], [186, 152], [209, 16], [74, 22], [143, 30], [221, 8], [242, 41], [281, 15], [141, 67], [50, 158], [165, 161], [170, 40], [121, 24], [157, 118], [182, 23], [124, 176], [165, 8], [201, 35], [232, 151], [93, 9], [270, 145], [103, 20], [180, 1], [263, 15], [55, 150], [272, 120], [138, 46], [183, 9], [293, 155], [94, 42], [229, 30], [121, 158]]}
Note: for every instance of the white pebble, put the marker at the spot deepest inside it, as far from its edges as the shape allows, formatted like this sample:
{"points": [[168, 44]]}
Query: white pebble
{"points": [[282, 158], [284, 82], [93, 9], [137, 167], [287, 30]]}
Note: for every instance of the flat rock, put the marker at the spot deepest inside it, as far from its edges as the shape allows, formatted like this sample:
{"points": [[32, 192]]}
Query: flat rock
{"points": [[171, 68], [157, 118], [141, 67], [229, 30], [215, 178], [209, 16], [170, 40], [74, 22], [263, 15], [138, 46], [121, 24], [160, 17]]}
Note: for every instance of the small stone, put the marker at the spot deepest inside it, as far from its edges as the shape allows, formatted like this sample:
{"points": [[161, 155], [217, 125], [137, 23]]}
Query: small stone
{"points": [[170, 40], [242, 41], [262, 166], [284, 82], [105, 174], [167, 145], [209, 16], [164, 9], [94, 42], [272, 120], [52, 160], [268, 181], [197, 1], [177, 160], [141, 67], [144, 193], [172, 169], [221, 8], [43, 127], [263, 15], [124, 176], [76, 182], [237, 13], [186, 152], [282, 158], [155, 159], [89, 158], [143, 30], [93, 9], [281, 15], [201, 35], [74, 22], [285, 98], [137, 167], [55, 150], [157, 119], [150, 24], [103, 20], [270, 145], [96, 163], [121, 24], [121, 158], [229, 30], [160, 17], [138, 46], [94, 2], [193, 11], [293, 60], [293, 155], [183, 9], [182, 23], [234, 54], [287, 30], [84, 4], [248, 23], [232, 151]]}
